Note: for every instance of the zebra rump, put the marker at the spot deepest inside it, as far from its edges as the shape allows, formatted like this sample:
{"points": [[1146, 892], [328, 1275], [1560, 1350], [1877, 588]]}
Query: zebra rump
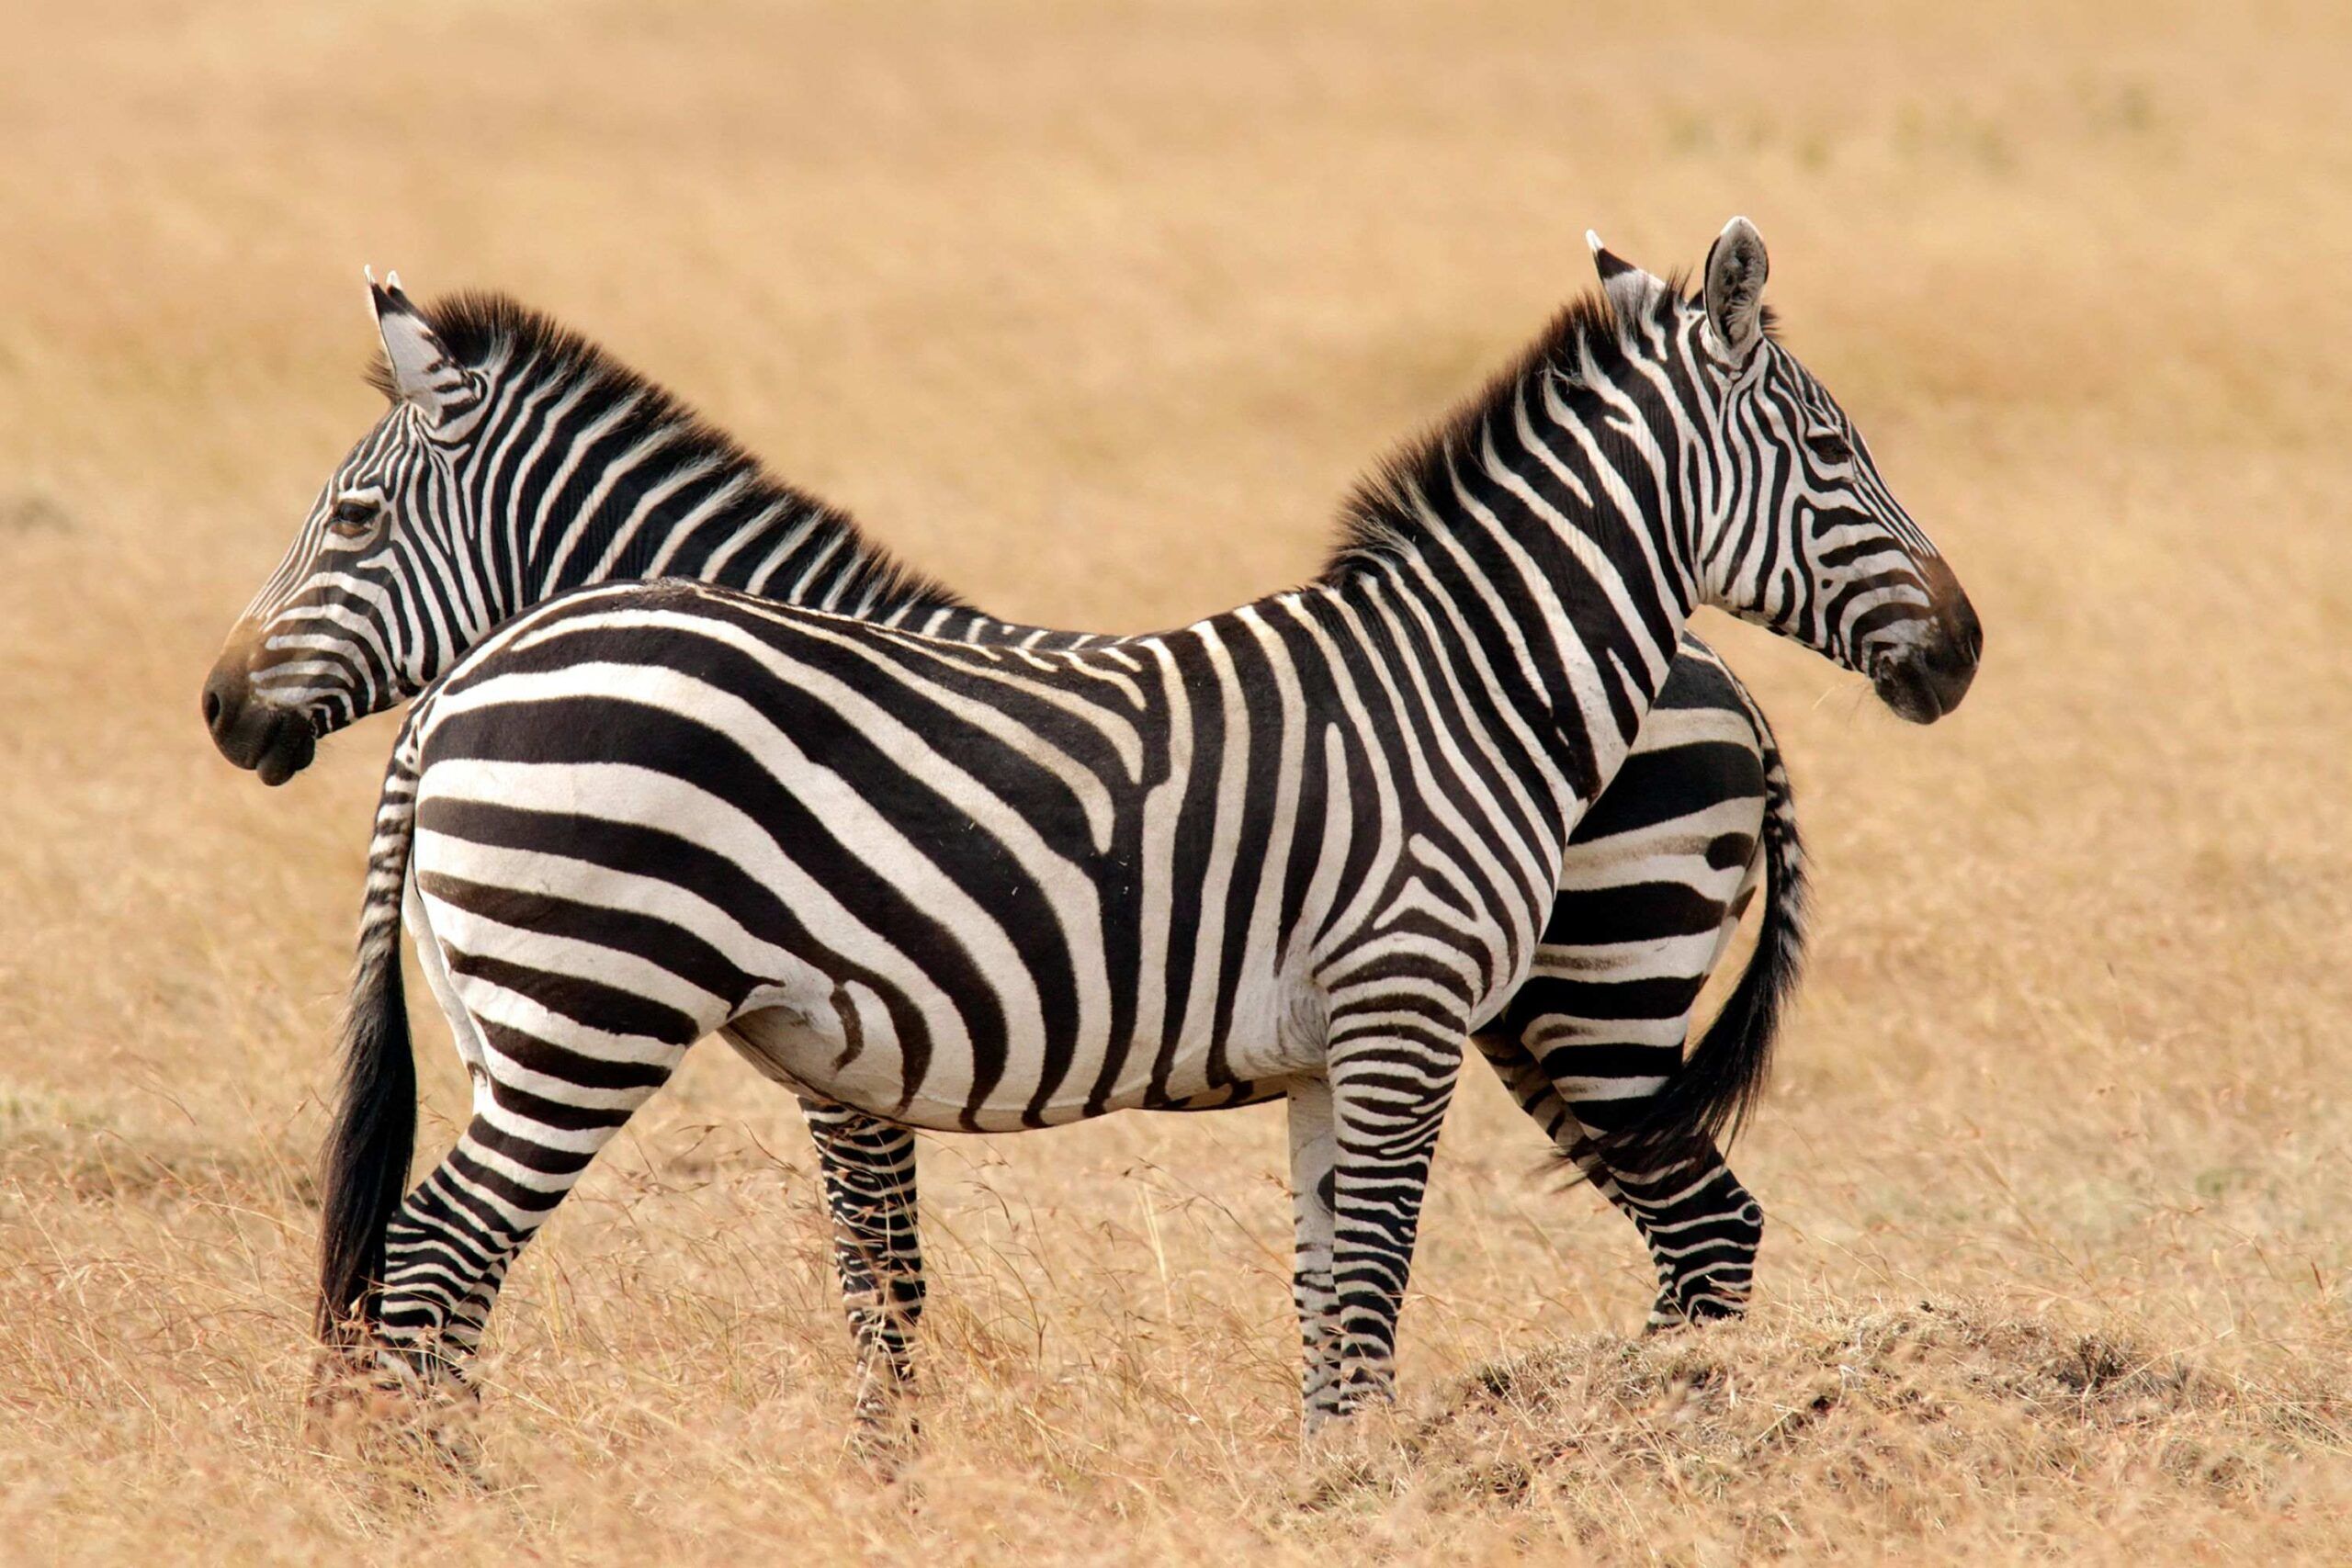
{"points": [[1705, 1104]]}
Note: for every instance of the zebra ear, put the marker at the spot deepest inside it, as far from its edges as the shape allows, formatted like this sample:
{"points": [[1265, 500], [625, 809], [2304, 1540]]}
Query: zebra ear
{"points": [[1631, 291], [1736, 270], [419, 369]]}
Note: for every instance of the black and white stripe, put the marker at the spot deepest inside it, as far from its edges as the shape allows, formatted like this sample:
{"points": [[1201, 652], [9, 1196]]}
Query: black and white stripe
{"points": [[1306, 846], [516, 460]]}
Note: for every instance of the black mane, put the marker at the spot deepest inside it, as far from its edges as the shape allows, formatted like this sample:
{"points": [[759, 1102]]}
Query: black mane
{"points": [[1382, 514], [485, 331]]}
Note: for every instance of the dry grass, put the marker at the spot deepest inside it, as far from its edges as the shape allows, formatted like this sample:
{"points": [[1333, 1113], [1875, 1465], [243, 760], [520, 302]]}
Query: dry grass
{"points": [[1094, 311]]}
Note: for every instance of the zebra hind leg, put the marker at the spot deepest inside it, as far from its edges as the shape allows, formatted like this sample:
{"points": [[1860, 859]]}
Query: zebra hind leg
{"points": [[1703, 1230], [546, 1100], [1699, 1226], [1594, 1041], [1609, 1064], [405, 1361], [868, 1168], [447, 1250]]}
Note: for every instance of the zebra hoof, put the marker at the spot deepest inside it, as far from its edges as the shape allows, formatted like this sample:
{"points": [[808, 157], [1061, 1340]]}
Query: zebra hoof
{"points": [[424, 1447], [1668, 1315], [1366, 1423], [1344, 1454], [374, 1402], [885, 1439]]}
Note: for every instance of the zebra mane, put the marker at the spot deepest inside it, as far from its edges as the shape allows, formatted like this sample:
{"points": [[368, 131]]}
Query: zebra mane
{"points": [[497, 335], [1384, 515]]}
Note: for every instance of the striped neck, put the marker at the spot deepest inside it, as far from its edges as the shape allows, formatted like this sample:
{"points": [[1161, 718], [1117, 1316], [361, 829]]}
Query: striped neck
{"points": [[584, 474], [1547, 534]]}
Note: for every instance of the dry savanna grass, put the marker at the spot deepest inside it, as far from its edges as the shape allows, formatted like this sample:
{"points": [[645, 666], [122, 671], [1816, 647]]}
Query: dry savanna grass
{"points": [[1094, 311]]}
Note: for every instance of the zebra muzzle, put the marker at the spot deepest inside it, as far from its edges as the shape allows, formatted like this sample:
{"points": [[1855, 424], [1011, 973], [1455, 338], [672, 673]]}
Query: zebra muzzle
{"points": [[1927, 679], [251, 732]]}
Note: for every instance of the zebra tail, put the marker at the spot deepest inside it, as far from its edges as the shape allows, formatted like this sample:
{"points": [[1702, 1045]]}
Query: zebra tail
{"points": [[364, 1167], [1706, 1103]]}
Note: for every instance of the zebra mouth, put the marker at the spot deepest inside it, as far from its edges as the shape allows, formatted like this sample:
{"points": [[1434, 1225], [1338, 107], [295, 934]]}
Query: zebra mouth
{"points": [[273, 742], [1910, 696], [287, 752], [1925, 683], [1923, 680]]}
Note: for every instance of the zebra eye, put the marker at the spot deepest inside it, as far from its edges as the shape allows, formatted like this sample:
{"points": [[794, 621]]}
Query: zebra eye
{"points": [[1830, 447], [354, 517]]}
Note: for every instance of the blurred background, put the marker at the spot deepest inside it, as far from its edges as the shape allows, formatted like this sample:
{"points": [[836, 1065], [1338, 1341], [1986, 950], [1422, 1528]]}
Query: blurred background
{"points": [[1095, 312]]}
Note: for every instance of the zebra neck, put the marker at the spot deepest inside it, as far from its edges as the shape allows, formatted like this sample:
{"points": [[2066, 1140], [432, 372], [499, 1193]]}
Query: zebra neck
{"points": [[676, 498], [1553, 544]]}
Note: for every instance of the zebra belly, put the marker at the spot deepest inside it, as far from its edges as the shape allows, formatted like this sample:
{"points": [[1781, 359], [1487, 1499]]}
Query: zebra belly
{"points": [[844, 1050]]}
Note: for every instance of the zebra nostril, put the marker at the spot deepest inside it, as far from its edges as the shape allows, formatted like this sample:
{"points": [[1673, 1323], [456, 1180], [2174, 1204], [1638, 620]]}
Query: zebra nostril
{"points": [[211, 710]]}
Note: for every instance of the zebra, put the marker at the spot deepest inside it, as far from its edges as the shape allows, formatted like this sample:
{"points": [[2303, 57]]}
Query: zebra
{"points": [[1309, 844], [516, 460]]}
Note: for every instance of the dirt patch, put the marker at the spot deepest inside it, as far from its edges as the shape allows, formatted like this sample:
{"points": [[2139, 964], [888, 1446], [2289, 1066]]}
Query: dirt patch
{"points": [[1896, 1418], [30, 512]]}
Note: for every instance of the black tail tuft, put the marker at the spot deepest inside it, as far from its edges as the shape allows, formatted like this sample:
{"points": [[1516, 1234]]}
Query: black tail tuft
{"points": [[1707, 1102], [364, 1167]]}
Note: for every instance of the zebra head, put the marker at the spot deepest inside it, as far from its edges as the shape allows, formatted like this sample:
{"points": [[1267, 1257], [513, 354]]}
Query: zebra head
{"points": [[380, 589], [1796, 529]]}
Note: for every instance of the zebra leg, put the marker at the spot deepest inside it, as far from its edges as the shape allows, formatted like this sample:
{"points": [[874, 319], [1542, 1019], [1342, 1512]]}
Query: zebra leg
{"points": [[868, 1168], [1702, 1226], [447, 1250], [1312, 1154], [1390, 1088], [1699, 1226], [1703, 1230], [1593, 1045], [547, 1098]]}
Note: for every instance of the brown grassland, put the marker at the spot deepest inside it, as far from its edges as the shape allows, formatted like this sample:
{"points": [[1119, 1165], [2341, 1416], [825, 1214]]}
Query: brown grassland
{"points": [[1094, 311]]}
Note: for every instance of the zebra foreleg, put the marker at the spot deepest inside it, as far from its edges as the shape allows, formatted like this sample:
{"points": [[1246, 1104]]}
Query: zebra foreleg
{"points": [[1392, 1078], [868, 1168]]}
